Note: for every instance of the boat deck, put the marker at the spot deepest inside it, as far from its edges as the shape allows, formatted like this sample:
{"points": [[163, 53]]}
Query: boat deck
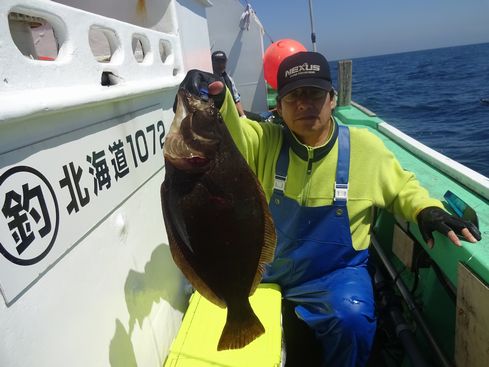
{"points": [[462, 309]]}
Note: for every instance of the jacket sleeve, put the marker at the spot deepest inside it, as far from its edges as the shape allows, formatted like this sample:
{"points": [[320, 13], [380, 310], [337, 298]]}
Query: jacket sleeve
{"points": [[411, 198], [402, 194], [247, 134]]}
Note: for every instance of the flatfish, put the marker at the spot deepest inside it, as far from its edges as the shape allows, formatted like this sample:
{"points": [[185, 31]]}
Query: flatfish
{"points": [[219, 227]]}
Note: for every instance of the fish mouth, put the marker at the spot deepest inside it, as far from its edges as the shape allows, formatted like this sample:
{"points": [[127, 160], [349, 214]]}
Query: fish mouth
{"points": [[184, 147], [181, 155]]}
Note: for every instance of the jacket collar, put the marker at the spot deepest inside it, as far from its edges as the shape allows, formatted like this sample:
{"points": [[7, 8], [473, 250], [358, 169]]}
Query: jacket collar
{"points": [[301, 150]]}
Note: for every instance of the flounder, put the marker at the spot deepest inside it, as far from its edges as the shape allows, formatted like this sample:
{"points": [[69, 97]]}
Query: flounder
{"points": [[219, 227]]}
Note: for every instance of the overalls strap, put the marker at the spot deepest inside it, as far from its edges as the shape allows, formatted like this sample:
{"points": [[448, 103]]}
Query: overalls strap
{"points": [[343, 167], [281, 169]]}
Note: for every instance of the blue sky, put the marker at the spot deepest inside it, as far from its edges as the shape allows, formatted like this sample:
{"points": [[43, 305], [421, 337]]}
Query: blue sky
{"points": [[356, 28]]}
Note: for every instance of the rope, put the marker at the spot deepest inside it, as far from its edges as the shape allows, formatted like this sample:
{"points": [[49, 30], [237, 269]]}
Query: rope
{"points": [[248, 6]]}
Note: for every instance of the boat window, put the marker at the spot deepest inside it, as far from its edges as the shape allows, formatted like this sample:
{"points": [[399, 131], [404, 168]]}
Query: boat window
{"points": [[165, 50], [140, 47], [34, 36], [103, 43]]}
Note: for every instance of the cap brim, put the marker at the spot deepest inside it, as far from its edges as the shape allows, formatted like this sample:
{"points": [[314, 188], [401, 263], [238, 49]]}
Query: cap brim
{"points": [[305, 82]]}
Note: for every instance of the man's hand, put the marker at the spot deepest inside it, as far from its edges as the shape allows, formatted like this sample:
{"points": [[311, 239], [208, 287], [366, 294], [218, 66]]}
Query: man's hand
{"points": [[204, 85], [435, 219]]}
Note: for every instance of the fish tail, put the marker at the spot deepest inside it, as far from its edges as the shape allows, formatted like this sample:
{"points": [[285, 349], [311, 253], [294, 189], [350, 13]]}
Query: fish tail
{"points": [[241, 328]]}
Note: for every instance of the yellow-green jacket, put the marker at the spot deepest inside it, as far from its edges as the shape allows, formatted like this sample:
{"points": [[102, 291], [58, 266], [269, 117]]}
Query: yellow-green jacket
{"points": [[376, 177]]}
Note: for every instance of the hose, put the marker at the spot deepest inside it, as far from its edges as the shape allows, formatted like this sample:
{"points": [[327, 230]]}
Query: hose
{"points": [[406, 295]]}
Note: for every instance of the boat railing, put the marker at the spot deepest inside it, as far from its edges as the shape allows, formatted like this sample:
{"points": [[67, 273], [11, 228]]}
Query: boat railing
{"points": [[138, 60], [464, 175]]}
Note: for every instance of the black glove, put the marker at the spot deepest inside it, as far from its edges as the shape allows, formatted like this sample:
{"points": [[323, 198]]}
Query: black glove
{"points": [[197, 82], [435, 219]]}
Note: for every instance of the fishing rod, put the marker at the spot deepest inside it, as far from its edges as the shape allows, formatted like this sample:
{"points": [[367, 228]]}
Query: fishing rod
{"points": [[313, 34]]}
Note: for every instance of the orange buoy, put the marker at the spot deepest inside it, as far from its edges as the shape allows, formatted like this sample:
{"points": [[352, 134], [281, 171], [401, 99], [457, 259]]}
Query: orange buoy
{"points": [[274, 55]]}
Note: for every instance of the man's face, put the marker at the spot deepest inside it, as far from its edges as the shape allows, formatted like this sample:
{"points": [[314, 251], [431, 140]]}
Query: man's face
{"points": [[307, 113], [219, 66]]}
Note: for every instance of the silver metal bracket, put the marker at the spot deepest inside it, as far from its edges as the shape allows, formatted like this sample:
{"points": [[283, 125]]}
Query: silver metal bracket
{"points": [[340, 192], [279, 183]]}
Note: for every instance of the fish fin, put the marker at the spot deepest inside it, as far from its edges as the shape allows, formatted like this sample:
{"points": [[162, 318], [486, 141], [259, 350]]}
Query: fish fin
{"points": [[270, 240], [241, 328], [182, 262], [192, 276]]}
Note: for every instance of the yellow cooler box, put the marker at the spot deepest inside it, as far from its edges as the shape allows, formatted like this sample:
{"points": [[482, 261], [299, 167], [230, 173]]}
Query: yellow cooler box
{"points": [[197, 339]]}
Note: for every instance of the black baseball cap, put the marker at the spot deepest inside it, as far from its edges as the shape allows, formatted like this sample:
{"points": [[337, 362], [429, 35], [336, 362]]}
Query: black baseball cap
{"points": [[219, 56], [303, 69]]}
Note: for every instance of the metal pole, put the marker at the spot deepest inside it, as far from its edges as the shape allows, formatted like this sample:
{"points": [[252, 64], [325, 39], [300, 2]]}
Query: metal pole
{"points": [[344, 81], [313, 35]]}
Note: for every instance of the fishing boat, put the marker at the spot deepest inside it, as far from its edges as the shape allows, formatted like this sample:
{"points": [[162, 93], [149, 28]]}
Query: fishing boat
{"points": [[86, 275]]}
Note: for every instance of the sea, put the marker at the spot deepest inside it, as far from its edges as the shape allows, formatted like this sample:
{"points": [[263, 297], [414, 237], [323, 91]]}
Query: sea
{"points": [[439, 97]]}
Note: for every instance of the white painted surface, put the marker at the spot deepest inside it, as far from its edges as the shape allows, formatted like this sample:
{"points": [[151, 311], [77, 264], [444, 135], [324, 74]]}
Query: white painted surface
{"points": [[107, 293], [183, 17], [91, 171], [156, 14], [194, 35], [244, 49], [74, 78], [114, 296]]}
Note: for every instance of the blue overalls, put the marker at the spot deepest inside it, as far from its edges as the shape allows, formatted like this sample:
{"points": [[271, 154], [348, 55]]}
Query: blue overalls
{"points": [[318, 268]]}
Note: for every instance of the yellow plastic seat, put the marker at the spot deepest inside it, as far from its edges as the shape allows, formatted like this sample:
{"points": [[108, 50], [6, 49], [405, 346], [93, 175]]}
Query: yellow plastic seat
{"points": [[196, 342]]}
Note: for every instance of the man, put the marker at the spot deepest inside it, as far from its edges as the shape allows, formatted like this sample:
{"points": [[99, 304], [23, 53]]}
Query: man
{"points": [[322, 180], [219, 61]]}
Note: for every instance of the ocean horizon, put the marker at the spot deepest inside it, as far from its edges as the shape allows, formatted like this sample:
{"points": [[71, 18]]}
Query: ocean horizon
{"points": [[403, 52], [436, 96]]}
